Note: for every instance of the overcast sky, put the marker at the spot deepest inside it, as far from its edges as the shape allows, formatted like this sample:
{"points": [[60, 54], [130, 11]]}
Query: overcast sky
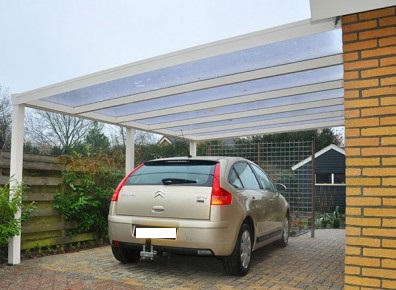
{"points": [[47, 41]]}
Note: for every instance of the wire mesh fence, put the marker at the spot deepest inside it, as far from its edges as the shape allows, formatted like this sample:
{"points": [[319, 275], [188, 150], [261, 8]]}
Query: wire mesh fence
{"points": [[277, 159]]}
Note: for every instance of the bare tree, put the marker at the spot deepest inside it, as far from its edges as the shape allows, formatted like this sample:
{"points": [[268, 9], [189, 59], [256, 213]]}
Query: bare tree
{"points": [[5, 116], [48, 130], [117, 136]]}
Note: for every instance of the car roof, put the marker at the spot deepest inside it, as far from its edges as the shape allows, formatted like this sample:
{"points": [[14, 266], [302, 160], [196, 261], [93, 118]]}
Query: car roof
{"points": [[209, 158]]}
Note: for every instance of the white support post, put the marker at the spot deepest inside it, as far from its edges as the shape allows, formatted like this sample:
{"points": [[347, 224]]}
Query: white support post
{"points": [[16, 166], [129, 150], [193, 148]]}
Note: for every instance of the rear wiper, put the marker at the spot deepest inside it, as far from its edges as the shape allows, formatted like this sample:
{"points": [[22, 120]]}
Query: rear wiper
{"points": [[167, 181]]}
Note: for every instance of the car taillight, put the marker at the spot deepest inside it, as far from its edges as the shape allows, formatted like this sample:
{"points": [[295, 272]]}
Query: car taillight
{"points": [[220, 196], [119, 187]]}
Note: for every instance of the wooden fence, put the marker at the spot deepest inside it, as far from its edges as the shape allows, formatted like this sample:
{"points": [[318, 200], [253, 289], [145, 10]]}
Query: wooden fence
{"points": [[47, 227]]}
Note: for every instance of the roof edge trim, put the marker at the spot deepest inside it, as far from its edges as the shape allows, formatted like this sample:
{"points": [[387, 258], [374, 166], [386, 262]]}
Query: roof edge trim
{"points": [[319, 153], [324, 9]]}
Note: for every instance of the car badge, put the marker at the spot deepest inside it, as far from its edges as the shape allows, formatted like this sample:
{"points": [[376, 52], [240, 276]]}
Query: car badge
{"points": [[159, 193]]}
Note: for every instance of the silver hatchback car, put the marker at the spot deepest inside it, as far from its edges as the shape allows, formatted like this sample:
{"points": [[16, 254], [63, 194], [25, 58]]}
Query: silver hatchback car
{"points": [[211, 206]]}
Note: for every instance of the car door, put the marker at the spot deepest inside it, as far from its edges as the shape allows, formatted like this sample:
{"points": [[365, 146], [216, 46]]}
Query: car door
{"points": [[275, 216], [257, 198]]}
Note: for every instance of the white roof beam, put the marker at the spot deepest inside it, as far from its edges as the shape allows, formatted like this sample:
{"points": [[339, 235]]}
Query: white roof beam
{"points": [[298, 118], [234, 101], [53, 107], [271, 130], [216, 82], [263, 111]]}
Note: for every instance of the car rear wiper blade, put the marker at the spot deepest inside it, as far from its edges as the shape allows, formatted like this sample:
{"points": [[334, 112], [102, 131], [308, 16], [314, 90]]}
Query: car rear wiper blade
{"points": [[167, 181]]}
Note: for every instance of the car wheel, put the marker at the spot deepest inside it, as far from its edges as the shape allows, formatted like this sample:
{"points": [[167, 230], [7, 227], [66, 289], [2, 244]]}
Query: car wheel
{"points": [[282, 242], [238, 262], [125, 255]]}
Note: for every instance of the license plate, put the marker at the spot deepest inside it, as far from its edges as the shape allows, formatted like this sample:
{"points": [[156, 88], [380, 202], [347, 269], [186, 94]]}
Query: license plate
{"points": [[156, 233]]}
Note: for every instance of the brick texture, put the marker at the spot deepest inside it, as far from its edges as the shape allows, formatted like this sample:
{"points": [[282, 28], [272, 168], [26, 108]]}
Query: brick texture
{"points": [[369, 40]]}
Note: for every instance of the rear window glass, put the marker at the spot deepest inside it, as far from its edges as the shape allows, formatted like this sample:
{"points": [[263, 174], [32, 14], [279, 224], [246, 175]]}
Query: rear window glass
{"points": [[174, 172]]}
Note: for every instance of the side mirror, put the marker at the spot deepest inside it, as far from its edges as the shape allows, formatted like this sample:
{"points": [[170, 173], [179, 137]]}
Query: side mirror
{"points": [[280, 187]]}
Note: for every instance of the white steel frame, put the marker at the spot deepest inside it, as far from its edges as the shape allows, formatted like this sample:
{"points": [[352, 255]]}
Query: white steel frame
{"points": [[323, 15], [36, 98]]}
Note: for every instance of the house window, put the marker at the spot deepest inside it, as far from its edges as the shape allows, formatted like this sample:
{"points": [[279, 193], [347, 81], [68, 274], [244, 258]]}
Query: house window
{"points": [[323, 178], [330, 178], [338, 178]]}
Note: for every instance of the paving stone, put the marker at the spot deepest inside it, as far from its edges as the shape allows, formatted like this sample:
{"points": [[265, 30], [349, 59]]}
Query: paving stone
{"points": [[306, 263]]}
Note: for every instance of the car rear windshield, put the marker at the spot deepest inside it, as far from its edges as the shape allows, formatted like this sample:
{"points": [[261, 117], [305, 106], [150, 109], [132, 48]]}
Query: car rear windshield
{"points": [[174, 172]]}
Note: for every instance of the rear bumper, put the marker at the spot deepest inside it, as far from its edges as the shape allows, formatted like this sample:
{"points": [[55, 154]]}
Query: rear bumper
{"points": [[167, 249], [192, 236]]}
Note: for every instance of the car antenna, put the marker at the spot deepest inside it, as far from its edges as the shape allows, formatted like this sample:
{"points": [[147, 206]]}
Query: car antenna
{"points": [[188, 151]]}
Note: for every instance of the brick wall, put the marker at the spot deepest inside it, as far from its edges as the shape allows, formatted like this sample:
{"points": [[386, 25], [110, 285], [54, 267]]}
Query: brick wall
{"points": [[370, 138]]}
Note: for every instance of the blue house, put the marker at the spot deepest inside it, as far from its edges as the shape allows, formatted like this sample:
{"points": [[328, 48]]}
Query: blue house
{"points": [[329, 179]]}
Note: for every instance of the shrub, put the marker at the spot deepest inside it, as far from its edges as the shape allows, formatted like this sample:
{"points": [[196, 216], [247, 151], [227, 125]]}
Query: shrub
{"points": [[329, 219], [9, 205], [87, 186]]}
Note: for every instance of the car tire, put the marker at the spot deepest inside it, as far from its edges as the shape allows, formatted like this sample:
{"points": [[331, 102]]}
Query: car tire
{"points": [[238, 263], [125, 255], [283, 241]]}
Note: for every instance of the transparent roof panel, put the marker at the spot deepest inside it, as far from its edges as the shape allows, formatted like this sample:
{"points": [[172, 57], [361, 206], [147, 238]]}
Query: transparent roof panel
{"points": [[264, 56], [247, 106], [272, 126], [258, 118], [234, 90], [268, 80]]}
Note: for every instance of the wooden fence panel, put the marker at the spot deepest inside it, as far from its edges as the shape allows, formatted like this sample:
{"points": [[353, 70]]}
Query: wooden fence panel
{"points": [[43, 175]]}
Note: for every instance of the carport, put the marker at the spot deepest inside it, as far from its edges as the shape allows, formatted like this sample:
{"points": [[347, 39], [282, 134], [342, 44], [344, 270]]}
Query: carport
{"points": [[281, 79]]}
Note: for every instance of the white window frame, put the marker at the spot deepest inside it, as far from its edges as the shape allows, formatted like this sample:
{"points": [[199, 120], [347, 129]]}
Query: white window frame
{"points": [[329, 184]]}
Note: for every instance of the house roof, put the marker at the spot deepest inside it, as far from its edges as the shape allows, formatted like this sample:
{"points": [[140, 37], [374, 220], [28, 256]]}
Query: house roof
{"points": [[317, 154], [164, 139]]}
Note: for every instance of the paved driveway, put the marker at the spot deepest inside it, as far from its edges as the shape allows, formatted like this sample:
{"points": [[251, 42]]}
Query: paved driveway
{"points": [[305, 263]]}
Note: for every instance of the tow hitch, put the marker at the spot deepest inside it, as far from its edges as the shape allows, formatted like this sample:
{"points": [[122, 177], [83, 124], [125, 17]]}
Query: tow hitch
{"points": [[148, 250]]}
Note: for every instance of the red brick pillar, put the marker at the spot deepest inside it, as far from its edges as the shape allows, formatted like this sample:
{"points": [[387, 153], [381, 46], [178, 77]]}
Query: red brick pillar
{"points": [[370, 139]]}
